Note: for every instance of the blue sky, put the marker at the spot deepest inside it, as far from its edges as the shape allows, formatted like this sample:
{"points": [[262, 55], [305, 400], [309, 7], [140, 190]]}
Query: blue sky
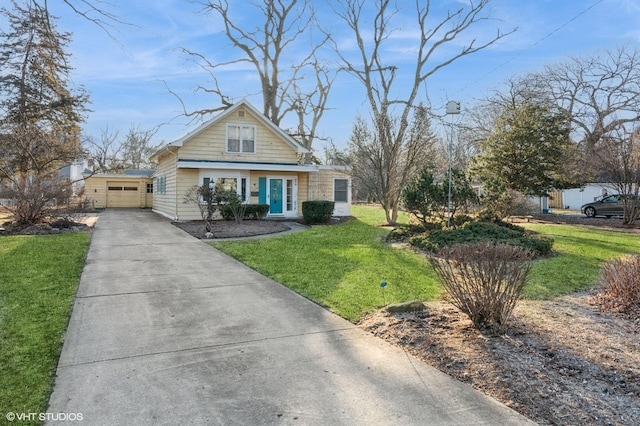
{"points": [[124, 74]]}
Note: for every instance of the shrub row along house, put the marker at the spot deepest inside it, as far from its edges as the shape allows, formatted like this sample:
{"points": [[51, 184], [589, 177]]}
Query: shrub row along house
{"points": [[238, 150]]}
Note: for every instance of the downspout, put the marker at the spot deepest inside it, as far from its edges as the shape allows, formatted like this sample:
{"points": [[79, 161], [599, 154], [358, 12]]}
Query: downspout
{"points": [[175, 182]]}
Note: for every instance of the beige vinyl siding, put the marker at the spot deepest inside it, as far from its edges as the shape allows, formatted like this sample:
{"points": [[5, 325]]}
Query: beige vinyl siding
{"points": [[211, 144], [322, 183], [165, 203], [99, 195], [325, 182], [95, 192], [187, 179], [303, 190]]}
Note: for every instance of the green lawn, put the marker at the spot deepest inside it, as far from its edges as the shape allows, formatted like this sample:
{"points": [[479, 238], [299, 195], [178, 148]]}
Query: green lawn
{"points": [[38, 279], [581, 251], [341, 267]]}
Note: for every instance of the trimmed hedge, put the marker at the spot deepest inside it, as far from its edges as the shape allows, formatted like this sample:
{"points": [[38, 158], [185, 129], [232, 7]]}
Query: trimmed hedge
{"points": [[253, 211], [475, 232], [317, 211]]}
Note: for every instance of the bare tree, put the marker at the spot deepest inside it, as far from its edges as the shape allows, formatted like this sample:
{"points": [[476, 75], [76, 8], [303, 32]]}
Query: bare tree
{"points": [[378, 174], [104, 151], [367, 172], [479, 121], [39, 113], [309, 106], [335, 156], [600, 92], [91, 11], [378, 75], [618, 156], [111, 153], [264, 47], [136, 149]]}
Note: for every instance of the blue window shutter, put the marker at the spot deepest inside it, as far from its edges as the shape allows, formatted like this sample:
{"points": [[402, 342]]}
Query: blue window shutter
{"points": [[262, 190]]}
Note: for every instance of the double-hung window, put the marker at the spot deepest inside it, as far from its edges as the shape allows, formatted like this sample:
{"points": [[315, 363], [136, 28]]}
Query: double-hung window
{"points": [[341, 190], [241, 139], [160, 185]]}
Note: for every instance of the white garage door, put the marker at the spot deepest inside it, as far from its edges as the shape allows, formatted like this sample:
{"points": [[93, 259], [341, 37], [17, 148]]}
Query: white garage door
{"points": [[123, 194]]}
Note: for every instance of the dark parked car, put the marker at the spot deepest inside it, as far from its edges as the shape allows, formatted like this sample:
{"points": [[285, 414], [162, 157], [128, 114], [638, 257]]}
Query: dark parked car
{"points": [[611, 205]]}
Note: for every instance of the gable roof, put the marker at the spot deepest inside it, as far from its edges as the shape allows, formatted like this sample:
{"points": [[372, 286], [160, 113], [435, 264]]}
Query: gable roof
{"points": [[227, 112]]}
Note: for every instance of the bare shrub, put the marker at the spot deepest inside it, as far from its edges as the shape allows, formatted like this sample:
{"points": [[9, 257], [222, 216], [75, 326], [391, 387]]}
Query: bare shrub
{"points": [[521, 205], [208, 204], [483, 280], [621, 285], [31, 199]]}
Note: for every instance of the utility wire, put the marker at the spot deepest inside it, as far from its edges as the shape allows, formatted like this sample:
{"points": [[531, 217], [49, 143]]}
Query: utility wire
{"points": [[594, 4]]}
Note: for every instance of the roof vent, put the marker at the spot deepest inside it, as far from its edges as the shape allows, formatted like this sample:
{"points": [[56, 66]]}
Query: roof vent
{"points": [[241, 113]]}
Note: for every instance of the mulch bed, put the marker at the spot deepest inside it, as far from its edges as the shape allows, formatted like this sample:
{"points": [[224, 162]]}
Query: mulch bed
{"points": [[560, 362], [231, 229], [44, 228]]}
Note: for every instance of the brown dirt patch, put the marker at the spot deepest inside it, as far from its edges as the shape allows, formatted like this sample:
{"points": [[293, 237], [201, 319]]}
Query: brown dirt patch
{"points": [[560, 362], [231, 229]]}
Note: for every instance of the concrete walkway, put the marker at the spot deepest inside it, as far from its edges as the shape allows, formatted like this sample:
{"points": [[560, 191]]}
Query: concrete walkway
{"points": [[167, 330]]}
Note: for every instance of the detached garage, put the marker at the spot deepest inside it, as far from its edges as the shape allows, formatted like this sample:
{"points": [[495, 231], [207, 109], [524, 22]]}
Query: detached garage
{"points": [[133, 189]]}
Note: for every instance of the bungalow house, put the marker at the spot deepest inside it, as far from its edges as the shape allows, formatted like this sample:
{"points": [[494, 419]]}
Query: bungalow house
{"points": [[243, 151], [74, 173]]}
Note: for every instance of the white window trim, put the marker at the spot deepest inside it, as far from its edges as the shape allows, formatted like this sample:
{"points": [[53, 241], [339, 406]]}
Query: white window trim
{"points": [[333, 192], [160, 185], [212, 176], [240, 152], [294, 201]]}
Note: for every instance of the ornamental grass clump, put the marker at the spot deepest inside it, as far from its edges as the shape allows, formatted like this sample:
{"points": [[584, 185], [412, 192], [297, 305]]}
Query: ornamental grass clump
{"points": [[483, 280], [620, 279]]}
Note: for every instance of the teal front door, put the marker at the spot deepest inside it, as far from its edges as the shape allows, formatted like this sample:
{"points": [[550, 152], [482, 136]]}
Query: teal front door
{"points": [[275, 188]]}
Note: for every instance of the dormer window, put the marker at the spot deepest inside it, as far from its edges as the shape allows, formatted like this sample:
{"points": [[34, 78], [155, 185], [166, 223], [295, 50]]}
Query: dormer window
{"points": [[241, 139]]}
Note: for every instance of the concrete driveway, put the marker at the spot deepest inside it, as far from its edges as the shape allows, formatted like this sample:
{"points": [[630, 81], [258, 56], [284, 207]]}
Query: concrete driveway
{"points": [[167, 330]]}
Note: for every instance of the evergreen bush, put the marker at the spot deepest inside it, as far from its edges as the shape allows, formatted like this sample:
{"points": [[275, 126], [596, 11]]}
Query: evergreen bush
{"points": [[317, 211], [252, 211]]}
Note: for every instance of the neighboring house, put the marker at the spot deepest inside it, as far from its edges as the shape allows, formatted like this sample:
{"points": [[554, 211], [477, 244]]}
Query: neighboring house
{"points": [[241, 150], [574, 198], [75, 171], [132, 188]]}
